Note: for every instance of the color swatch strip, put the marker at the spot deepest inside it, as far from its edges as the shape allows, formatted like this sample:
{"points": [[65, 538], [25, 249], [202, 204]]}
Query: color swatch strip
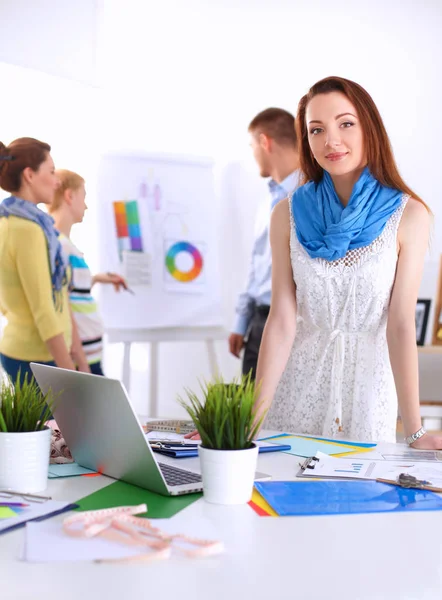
{"points": [[127, 224]]}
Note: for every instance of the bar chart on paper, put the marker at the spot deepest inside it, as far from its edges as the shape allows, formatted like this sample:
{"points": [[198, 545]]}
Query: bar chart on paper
{"points": [[353, 467], [323, 465]]}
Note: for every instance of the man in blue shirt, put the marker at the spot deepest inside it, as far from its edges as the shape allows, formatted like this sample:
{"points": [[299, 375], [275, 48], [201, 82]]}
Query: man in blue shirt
{"points": [[274, 144]]}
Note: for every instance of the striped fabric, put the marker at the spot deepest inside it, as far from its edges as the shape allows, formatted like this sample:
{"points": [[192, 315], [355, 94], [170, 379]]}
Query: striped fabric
{"points": [[83, 304]]}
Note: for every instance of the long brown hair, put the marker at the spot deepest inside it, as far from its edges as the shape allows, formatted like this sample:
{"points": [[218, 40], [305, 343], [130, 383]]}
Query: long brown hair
{"points": [[380, 159], [15, 158]]}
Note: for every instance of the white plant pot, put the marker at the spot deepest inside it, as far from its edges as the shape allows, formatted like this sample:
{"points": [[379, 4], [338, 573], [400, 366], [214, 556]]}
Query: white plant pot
{"points": [[228, 475], [24, 461]]}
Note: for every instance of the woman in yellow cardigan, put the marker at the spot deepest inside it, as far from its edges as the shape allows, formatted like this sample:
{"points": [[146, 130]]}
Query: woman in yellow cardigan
{"points": [[33, 280]]}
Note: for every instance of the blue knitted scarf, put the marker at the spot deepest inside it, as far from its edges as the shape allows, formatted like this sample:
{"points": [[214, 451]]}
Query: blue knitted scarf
{"points": [[329, 230]]}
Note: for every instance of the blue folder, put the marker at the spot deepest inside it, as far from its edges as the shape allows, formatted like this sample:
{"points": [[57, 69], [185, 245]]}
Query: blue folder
{"points": [[191, 451], [302, 498], [176, 452], [41, 518]]}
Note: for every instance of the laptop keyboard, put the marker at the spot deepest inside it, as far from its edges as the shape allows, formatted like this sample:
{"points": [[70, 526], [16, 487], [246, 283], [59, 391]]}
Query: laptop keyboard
{"points": [[175, 476]]}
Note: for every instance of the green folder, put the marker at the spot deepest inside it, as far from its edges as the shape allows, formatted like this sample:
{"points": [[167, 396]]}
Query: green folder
{"points": [[125, 494]]}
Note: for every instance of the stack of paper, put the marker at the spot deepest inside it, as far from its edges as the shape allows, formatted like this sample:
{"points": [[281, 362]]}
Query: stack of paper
{"points": [[46, 542]]}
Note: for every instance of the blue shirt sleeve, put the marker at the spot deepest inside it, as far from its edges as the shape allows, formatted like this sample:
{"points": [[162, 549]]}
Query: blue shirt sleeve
{"points": [[245, 306]]}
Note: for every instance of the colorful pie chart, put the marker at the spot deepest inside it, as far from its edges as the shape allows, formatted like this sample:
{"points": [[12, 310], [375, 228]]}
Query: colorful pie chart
{"points": [[184, 276]]}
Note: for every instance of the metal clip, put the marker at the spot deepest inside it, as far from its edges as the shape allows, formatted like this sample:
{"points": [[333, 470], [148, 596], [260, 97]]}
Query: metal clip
{"points": [[164, 444], [307, 464], [409, 481]]}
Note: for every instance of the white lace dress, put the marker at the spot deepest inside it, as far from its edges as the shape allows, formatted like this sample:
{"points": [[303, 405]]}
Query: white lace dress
{"points": [[338, 380]]}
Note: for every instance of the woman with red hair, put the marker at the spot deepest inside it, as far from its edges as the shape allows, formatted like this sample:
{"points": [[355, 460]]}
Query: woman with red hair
{"points": [[339, 347]]}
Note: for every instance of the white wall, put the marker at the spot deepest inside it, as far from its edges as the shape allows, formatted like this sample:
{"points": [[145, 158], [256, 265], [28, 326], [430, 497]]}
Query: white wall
{"points": [[188, 77], [62, 113], [54, 36]]}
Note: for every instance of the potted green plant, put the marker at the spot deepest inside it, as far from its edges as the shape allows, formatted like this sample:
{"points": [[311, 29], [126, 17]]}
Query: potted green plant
{"points": [[226, 421], [25, 440]]}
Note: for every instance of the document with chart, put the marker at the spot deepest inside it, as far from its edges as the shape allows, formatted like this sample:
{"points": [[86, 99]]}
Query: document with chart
{"points": [[322, 465]]}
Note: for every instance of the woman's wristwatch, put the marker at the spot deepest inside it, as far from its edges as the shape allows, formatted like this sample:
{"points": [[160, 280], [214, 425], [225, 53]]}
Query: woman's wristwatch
{"points": [[415, 436]]}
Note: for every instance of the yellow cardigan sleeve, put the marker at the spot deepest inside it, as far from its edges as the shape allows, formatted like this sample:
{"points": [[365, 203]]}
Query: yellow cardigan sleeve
{"points": [[32, 261]]}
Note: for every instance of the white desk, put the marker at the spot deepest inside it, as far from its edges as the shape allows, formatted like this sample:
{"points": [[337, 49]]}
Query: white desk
{"points": [[355, 557]]}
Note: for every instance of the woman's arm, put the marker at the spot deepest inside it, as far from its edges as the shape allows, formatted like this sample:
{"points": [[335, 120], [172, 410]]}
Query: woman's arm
{"points": [[279, 332], [413, 237], [57, 347], [77, 351], [116, 280]]}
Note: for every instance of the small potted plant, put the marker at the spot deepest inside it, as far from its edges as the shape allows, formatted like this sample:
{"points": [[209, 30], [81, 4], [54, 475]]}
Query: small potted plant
{"points": [[227, 423], [25, 441]]}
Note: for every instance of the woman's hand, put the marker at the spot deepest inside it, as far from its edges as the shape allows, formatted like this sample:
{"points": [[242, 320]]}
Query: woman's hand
{"points": [[428, 442], [194, 435], [83, 367], [116, 280]]}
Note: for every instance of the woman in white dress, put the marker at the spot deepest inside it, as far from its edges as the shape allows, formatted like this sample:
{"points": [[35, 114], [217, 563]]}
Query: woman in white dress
{"points": [[339, 347]]}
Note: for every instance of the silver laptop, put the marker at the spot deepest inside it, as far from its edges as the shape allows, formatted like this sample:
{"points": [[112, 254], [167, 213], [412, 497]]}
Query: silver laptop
{"points": [[103, 433]]}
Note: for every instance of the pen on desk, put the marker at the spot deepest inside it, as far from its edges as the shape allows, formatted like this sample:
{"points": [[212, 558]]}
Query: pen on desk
{"points": [[424, 485], [12, 504], [23, 495]]}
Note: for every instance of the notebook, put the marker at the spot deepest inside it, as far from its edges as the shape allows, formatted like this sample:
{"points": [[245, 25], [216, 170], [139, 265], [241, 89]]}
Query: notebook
{"points": [[191, 450]]}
